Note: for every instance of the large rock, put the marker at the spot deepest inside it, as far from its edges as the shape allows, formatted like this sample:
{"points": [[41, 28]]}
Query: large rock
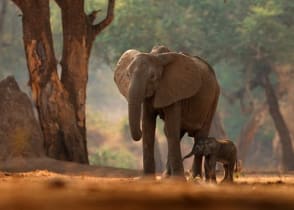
{"points": [[20, 133]]}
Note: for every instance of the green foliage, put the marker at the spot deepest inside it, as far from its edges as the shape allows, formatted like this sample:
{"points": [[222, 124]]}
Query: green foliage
{"points": [[55, 21], [125, 129], [262, 30], [143, 24], [114, 158], [96, 119]]}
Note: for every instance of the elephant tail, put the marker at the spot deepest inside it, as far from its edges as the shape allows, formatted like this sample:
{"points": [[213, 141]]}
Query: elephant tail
{"points": [[238, 166]]}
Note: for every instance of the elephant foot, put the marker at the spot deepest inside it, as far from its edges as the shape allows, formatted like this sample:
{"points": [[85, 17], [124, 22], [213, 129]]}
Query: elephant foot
{"points": [[227, 181], [196, 176], [211, 180]]}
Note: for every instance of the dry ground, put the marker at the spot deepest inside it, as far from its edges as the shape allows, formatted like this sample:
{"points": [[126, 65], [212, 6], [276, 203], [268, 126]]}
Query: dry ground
{"points": [[51, 191]]}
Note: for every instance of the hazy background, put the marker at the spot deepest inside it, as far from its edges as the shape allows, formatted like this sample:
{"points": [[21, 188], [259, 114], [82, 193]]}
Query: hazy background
{"points": [[228, 35]]}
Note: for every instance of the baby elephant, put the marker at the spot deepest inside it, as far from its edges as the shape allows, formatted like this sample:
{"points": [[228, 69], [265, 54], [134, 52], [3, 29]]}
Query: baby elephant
{"points": [[214, 150]]}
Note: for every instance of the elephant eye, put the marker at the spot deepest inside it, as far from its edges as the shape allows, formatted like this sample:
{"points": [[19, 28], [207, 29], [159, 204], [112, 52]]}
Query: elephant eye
{"points": [[153, 77]]}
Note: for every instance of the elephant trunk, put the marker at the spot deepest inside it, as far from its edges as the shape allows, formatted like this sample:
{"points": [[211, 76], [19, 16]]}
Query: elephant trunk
{"points": [[134, 121], [136, 96]]}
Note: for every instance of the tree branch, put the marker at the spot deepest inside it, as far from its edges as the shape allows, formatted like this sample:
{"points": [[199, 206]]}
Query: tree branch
{"points": [[233, 96], [109, 17], [92, 16]]}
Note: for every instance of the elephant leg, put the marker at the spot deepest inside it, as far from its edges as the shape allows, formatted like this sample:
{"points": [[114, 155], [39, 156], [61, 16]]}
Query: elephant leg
{"points": [[203, 133], [148, 126], [197, 162], [167, 171], [213, 176], [172, 129], [226, 167], [197, 166], [206, 170]]}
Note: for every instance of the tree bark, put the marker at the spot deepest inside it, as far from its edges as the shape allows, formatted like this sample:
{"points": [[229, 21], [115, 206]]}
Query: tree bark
{"points": [[56, 114], [279, 122], [217, 128], [60, 102], [78, 37], [75, 58], [249, 131]]}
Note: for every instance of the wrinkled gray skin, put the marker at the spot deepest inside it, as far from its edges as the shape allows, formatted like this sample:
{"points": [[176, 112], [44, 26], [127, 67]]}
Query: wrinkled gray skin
{"points": [[181, 90], [214, 150]]}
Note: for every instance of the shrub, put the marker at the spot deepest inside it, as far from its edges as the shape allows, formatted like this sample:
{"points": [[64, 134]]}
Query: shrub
{"points": [[113, 158]]}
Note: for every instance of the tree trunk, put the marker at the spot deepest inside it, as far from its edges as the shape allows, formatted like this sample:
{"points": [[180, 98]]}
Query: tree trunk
{"points": [[217, 128], [249, 130], [279, 122], [60, 102], [75, 58], [78, 37], [57, 115]]}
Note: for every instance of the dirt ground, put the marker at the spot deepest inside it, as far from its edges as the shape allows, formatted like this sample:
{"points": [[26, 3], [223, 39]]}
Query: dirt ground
{"points": [[51, 191]]}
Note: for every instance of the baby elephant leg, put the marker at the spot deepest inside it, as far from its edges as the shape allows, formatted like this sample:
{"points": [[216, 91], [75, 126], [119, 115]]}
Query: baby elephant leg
{"points": [[210, 173], [213, 169], [231, 171], [197, 166], [226, 167], [207, 171]]}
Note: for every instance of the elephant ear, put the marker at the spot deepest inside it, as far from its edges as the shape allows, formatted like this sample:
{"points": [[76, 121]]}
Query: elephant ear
{"points": [[181, 79], [121, 75]]}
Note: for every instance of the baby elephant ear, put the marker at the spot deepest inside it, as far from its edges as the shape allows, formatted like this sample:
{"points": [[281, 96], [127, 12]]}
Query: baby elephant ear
{"points": [[181, 79], [121, 76]]}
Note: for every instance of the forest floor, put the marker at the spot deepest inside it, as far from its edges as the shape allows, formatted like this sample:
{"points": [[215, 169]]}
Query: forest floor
{"points": [[46, 190]]}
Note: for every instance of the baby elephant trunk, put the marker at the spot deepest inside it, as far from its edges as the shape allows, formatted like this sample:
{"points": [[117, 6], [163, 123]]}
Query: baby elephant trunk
{"points": [[190, 153]]}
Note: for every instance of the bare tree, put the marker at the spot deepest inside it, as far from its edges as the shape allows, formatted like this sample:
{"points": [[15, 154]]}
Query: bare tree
{"points": [[60, 102], [217, 129], [279, 122], [249, 130]]}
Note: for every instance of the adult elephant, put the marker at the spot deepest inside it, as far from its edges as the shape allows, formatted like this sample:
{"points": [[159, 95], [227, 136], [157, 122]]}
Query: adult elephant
{"points": [[182, 90]]}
